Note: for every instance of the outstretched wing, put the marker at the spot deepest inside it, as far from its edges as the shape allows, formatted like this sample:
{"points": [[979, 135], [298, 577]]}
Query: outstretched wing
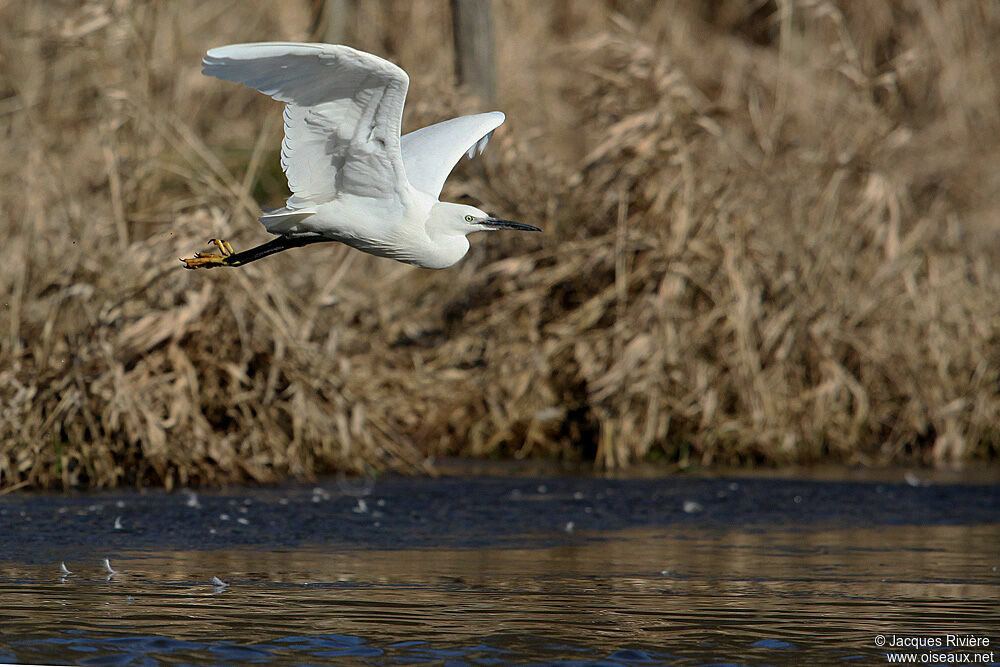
{"points": [[430, 153], [342, 119]]}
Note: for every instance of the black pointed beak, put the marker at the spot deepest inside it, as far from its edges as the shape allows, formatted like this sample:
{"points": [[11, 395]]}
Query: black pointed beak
{"points": [[497, 223]]}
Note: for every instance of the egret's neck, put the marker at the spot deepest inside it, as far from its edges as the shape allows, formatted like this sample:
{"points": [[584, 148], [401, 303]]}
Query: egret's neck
{"points": [[446, 249], [447, 239]]}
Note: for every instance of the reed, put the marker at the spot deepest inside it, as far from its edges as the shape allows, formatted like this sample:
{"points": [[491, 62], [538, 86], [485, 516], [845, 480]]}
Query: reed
{"points": [[770, 239]]}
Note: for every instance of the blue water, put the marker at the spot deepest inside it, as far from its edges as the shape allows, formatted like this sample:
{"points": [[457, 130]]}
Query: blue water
{"points": [[673, 593]]}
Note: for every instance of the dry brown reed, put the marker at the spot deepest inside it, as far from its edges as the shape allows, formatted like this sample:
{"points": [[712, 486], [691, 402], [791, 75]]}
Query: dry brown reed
{"points": [[770, 238]]}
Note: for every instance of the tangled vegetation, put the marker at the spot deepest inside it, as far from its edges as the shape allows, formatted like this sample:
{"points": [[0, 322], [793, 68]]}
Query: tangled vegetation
{"points": [[770, 237]]}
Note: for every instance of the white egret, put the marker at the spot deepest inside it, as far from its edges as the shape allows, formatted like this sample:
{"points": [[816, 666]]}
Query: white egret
{"points": [[353, 178]]}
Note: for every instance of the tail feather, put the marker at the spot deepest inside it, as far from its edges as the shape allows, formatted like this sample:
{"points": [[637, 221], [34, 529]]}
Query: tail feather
{"points": [[283, 220]]}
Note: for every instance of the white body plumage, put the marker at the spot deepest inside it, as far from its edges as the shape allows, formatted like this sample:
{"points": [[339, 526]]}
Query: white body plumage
{"points": [[353, 178]]}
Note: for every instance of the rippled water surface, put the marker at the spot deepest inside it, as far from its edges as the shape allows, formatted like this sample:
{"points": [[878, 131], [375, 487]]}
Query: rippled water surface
{"points": [[690, 588]]}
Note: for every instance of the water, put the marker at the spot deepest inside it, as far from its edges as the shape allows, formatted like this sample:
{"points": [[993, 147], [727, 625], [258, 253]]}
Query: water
{"points": [[493, 572]]}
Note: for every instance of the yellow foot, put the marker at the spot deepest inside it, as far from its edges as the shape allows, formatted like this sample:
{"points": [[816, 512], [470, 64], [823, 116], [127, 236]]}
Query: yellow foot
{"points": [[202, 260], [223, 246]]}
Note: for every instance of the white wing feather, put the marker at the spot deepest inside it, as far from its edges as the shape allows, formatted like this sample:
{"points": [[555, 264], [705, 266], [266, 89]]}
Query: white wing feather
{"points": [[430, 153], [342, 119]]}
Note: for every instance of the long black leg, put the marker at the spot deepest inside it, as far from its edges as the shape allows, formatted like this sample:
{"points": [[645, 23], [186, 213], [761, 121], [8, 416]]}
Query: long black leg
{"points": [[277, 245], [208, 261]]}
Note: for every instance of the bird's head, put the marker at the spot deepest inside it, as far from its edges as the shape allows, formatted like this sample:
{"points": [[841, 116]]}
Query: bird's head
{"points": [[463, 219]]}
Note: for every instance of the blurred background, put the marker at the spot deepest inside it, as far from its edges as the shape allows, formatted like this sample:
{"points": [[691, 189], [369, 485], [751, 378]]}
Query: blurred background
{"points": [[770, 238]]}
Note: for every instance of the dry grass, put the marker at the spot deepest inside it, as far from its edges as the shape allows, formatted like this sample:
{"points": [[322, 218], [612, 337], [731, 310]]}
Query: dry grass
{"points": [[771, 231]]}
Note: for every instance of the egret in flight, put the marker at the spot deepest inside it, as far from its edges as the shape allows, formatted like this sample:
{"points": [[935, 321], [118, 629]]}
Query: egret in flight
{"points": [[353, 178]]}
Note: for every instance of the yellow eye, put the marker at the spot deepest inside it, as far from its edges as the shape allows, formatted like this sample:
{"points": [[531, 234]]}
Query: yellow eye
{"points": [[469, 218]]}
